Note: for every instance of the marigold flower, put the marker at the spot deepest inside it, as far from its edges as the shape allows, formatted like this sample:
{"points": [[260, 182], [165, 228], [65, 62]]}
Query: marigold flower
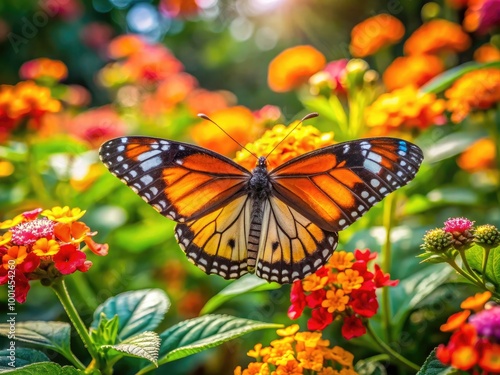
{"points": [[437, 36], [293, 67], [374, 33], [487, 53], [43, 68], [479, 156], [476, 90], [405, 107], [412, 70], [303, 139], [64, 214], [476, 302]]}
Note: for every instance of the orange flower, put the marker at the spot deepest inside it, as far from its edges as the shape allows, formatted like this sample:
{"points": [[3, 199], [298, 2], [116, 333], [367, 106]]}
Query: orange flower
{"points": [[412, 70], [476, 302], [479, 156], [464, 357], [43, 68], [314, 282], [482, 15], [436, 36], [341, 260], [293, 67], [125, 45], [374, 33], [179, 8], [237, 121], [44, 247], [479, 89], [455, 321], [349, 280], [490, 359], [207, 102], [335, 300], [405, 107], [487, 53], [15, 253]]}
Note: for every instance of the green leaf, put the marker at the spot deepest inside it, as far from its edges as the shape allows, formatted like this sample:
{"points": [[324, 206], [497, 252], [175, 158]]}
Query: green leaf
{"points": [[442, 81], [452, 145], [248, 283], [44, 368], [50, 335], [198, 334], [475, 256], [106, 332], [22, 357], [138, 311], [433, 366], [144, 345]]}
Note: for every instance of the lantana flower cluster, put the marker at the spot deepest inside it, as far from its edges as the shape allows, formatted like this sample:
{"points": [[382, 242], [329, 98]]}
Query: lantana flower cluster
{"points": [[45, 248], [474, 346], [343, 289], [298, 353]]}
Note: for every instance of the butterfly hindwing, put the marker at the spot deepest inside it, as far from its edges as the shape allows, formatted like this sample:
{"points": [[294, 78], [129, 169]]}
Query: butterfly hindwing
{"points": [[181, 181], [336, 185], [291, 246]]}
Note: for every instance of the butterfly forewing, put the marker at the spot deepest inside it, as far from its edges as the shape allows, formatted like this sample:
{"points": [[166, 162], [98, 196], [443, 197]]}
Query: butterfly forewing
{"points": [[181, 181], [336, 185]]}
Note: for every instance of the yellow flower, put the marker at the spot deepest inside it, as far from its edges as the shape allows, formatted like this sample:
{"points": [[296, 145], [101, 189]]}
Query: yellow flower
{"points": [[309, 340], [328, 371], [288, 331], [314, 282], [9, 223], [476, 90], [5, 238], [292, 367], [44, 247], [64, 214], [341, 356], [303, 139], [349, 279], [311, 359], [336, 300], [341, 260], [255, 368]]}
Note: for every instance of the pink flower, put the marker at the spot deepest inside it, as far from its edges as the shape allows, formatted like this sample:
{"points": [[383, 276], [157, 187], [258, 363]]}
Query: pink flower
{"points": [[27, 233], [458, 224], [336, 70]]}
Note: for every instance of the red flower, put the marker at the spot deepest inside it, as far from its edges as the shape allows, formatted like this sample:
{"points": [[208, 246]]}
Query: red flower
{"points": [[382, 279], [364, 302], [320, 319], [69, 259], [365, 256], [314, 299], [353, 327], [298, 300], [31, 263]]}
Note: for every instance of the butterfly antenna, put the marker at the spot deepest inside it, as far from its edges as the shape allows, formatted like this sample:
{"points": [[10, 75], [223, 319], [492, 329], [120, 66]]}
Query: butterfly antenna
{"points": [[205, 117], [306, 117]]}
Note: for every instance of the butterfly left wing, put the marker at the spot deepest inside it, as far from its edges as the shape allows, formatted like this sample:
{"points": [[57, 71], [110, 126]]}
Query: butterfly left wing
{"points": [[181, 181], [336, 185]]}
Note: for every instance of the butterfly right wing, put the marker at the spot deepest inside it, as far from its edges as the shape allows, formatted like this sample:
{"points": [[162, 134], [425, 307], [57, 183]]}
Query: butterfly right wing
{"points": [[181, 181]]}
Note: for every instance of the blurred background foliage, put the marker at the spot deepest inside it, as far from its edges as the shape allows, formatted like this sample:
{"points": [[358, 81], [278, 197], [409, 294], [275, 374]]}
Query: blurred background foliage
{"points": [[219, 52]]}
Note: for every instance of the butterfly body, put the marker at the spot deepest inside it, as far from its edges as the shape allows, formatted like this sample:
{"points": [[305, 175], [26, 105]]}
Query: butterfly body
{"points": [[280, 223]]}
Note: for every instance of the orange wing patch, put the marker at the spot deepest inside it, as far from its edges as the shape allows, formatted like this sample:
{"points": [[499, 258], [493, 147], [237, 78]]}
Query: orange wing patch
{"points": [[209, 164], [310, 165]]}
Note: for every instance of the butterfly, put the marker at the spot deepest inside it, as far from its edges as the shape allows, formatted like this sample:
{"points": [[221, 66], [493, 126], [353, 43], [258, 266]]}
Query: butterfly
{"points": [[281, 223]]}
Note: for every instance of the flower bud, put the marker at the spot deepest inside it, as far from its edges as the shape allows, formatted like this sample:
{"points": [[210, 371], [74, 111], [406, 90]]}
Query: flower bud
{"points": [[461, 229], [437, 240], [487, 234], [355, 72]]}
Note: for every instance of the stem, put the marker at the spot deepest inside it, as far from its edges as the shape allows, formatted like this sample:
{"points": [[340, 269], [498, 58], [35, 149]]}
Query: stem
{"points": [[61, 291], [455, 266], [486, 254], [388, 219], [467, 266], [35, 178], [392, 353]]}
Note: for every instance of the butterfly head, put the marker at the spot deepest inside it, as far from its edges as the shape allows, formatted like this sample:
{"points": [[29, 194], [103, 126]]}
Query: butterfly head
{"points": [[262, 162]]}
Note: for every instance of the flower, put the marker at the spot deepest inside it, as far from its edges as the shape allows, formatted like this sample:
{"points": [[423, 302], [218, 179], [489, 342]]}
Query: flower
{"points": [[125, 45], [43, 68], [476, 90], [297, 353], [207, 102], [293, 67], [461, 229], [437, 36], [487, 235], [288, 146], [179, 8], [45, 248], [348, 293], [332, 77], [405, 107], [412, 70], [482, 15], [479, 156], [374, 33], [487, 53]]}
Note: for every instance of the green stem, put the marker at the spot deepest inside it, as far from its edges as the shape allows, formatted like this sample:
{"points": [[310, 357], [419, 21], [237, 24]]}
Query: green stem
{"points": [[388, 219], [35, 178], [455, 266], [391, 352], [486, 254], [61, 291], [468, 268]]}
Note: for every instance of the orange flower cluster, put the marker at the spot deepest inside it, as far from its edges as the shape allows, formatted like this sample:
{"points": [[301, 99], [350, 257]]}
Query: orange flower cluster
{"points": [[179, 8], [413, 70], [303, 139], [374, 33], [293, 67], [43, 68], [487, 53], [480, 156], [297, 353], [405, 107], [26, 100], [473, 346], [437, 36], [45, 248], [482, 15], [479, 89]]}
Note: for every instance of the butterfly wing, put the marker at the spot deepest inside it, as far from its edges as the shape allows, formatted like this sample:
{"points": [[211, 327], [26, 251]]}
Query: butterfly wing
{"points": [[291, 245], [181, 181], [336, 185]]}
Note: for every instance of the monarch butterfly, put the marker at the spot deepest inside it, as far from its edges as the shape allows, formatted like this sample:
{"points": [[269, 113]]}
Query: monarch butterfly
{"points": [[282, 223]]}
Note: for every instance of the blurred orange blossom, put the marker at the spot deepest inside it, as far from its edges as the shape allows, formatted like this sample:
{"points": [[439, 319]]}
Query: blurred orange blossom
{"points": [[293, 67], [374, 33], [479, 156], [125, 45], [437, 36], [487, 53], [412, 70], [43, 68]]}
